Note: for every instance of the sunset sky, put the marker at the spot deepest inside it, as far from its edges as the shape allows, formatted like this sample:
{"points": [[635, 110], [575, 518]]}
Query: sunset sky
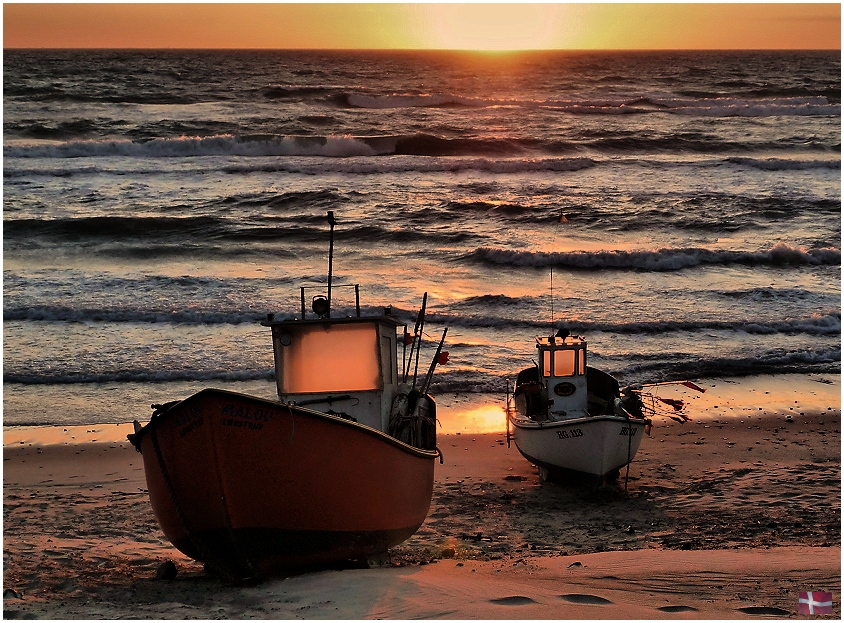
{"points": [[494, 26]]}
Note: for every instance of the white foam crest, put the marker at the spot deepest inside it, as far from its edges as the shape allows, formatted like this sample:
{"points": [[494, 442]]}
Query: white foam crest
{"points": [[826, 324]]}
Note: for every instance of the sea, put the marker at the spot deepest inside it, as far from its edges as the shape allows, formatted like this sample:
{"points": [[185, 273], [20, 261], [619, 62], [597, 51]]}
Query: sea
{"points": [[680, 210]]}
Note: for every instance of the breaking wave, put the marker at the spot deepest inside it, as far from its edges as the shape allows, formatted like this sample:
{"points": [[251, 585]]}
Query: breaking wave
{"points": [[660, 260], [140, 375], [822, 324], [536, 153], [700, 106]]}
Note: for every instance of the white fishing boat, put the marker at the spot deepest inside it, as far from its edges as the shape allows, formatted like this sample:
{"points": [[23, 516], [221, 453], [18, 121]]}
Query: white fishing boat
{"points": [[566, 416]]}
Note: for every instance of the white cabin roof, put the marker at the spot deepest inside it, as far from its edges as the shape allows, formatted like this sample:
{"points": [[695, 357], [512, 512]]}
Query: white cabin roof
{"points": [[572, 341]]}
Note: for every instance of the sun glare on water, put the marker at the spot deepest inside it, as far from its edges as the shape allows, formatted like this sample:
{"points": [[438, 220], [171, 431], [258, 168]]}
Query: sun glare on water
{"points": [[493, 27], [483, 418]]}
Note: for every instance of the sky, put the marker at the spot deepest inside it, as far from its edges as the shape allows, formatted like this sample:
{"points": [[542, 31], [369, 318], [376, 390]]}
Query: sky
{"points": [[478, 26]]}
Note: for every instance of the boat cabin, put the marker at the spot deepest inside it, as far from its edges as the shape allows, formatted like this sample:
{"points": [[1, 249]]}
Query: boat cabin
{"points": [[338, 365], [556, 387], [562, 373]]}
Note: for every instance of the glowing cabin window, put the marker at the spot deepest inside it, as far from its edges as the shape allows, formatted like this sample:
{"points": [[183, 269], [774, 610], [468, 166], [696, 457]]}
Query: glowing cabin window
{"points": [[330, 358], [564, 362]]}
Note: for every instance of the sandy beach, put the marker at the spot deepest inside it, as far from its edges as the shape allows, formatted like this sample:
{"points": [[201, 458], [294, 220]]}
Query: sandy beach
{"points": [[727, 516]]}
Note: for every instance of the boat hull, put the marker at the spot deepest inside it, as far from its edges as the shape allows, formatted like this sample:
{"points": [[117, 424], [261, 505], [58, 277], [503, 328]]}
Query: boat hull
{"points": [[252, 487], [594, 445]]}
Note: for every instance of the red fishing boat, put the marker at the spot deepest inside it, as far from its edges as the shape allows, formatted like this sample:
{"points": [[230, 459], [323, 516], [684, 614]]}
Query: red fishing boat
{"points": [[340, 468]]}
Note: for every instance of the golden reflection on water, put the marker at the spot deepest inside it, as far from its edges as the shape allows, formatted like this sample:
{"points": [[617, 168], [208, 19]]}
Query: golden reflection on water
{"points": [[487, 418]]}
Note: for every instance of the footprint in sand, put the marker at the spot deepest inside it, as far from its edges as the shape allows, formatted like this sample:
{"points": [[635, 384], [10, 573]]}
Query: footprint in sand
{"points": [[677, 609], [764, 610], [515, 600], [592, 600]]}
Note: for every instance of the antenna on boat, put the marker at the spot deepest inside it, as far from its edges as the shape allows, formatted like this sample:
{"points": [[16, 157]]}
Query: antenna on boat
{"points": [[552, 297], [562, 219], [332, 222]]}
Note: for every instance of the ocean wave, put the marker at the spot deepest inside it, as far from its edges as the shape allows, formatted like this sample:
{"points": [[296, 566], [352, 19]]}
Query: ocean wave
{"points": [[114, 227], [659, 260], [645, 368], [472, 313], [753, 107], [349, 166], [530, 153], [525, 163], [358, 100], [126, 236], [188, 316], [823, 360], [276, 92], [194, 146], [140, 375], [330, 146], [655, 369], [411, 164], [703, 107], [47, 313], [783, 164], [760, 106], [821, 324]]}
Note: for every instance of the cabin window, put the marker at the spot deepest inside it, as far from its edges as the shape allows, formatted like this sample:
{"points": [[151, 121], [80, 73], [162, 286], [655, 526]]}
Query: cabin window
{"points": [[330, 358], [564, 362]]}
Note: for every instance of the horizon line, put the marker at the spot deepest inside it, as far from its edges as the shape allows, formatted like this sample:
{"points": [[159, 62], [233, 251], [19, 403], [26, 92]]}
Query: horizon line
{"points": [[474, 50]]}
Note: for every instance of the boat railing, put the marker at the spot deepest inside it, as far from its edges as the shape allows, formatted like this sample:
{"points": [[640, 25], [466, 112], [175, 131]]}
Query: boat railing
{"points": [[320, 303]]}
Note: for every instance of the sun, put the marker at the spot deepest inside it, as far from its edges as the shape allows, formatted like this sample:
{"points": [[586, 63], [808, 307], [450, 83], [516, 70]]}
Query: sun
{"points": [[493, 26]]}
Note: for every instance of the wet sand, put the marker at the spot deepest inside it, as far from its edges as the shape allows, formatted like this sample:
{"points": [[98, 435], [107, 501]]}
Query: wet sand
{"points": [[729, 516]]}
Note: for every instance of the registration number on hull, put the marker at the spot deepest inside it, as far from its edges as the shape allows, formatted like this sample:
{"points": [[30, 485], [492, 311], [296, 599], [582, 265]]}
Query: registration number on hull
{"points": [[570, 433]]}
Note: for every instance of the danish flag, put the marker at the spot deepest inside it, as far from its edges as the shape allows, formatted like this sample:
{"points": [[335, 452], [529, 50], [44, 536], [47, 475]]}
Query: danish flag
{"points": [[814, 603]]}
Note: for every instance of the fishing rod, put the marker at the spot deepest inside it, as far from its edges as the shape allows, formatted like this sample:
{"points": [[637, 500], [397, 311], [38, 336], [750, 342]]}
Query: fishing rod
{"points": [[434, 363], [417, 341]]}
